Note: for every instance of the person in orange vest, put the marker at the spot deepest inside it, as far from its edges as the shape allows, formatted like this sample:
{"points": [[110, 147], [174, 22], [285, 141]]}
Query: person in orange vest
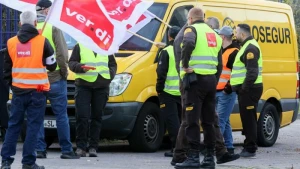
{"points": [[29, 55], [225, 97]]}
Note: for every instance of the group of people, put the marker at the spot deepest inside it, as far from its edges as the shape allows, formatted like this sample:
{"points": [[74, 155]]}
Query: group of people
{"points": [[36, 68], [199, 75]]}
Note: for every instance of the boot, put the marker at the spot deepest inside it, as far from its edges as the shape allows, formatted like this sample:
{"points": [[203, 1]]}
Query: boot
{"points": [[209, 160], [170, 153], [192, 160], [227, 157]]}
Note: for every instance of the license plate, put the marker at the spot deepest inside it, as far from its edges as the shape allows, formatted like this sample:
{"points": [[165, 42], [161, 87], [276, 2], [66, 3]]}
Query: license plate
{"points": [[49, 124]]}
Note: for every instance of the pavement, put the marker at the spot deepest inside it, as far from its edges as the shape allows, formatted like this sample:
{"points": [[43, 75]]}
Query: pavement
{"points": [[285, 154]]}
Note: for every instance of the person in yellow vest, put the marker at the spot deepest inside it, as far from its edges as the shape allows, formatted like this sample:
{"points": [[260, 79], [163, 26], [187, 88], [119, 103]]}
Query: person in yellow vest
{"points": [[93, 75], [167, 87], [225, 98], [246, 80], [200, 69], [29, 55], [58, 86]]}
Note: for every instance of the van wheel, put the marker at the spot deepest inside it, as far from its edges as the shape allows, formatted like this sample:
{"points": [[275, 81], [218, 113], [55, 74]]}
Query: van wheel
{"points": [[268, 126], [148, 131]]}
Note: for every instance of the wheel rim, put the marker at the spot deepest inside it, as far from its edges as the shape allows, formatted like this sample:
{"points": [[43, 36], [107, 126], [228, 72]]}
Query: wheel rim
{"points": [[269, 126], [150, 128]]}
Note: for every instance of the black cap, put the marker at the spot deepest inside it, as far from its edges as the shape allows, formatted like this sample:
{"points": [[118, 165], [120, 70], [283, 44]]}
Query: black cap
{"points": [[43, 4], [174, 31]]}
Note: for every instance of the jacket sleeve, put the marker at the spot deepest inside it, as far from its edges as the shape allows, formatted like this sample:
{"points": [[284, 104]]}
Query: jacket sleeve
{"points": [[250, 58], [74, 62], [162, 71], [7, 69], [231, 59], [189, 43], [220, 66], [48, 58], [61, 51], [113, 67]]}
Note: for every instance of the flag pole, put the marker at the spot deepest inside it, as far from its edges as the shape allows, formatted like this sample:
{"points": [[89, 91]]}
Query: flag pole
{"points": [[47, 17], [159, 19], [158, 44]]}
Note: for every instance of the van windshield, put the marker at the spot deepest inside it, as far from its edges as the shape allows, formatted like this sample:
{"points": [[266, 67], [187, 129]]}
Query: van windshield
{"points": [[135, 43], [149, 31]]}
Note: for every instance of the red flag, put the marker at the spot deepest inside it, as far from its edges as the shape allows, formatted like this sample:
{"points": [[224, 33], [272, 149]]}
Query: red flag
{"points": [[20, 5]]}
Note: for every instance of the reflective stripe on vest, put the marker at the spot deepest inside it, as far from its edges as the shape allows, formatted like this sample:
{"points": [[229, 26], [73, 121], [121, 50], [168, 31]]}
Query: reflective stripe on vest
{"points": [[48, 34], [239, 70], [100, 62], [204, 57], [225, 75], [28, 71], [172, 81]]}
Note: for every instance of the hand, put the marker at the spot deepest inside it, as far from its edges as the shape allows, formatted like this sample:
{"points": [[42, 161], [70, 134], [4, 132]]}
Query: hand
{"points": [[188, 70], [160, 44], [85, 70]]}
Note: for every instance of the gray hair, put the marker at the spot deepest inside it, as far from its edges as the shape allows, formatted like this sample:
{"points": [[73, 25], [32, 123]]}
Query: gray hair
{"points": [[27, 17], [213, 22]]}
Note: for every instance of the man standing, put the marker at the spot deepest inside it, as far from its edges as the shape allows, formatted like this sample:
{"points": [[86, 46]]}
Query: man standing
{"points": [[246, 80], [25, 71], [225, 98], [202, 65], [94, 72], [58, 86], [167, 87]]}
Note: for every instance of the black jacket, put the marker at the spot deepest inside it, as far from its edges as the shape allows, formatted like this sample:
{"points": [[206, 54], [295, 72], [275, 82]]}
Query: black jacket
{"points": [[189, 44], [26, 33], [75, 66], [251, 66]]}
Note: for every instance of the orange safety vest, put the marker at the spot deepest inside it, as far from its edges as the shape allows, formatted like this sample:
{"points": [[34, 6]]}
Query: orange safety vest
{"points": [[225, 75], [28, 71]]}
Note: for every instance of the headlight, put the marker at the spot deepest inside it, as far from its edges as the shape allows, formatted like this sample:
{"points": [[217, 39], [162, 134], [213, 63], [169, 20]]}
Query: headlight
{"points": [[119, 84]]}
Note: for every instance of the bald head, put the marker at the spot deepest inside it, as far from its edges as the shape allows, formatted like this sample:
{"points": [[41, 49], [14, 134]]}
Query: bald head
{"points": [[195, 14]]}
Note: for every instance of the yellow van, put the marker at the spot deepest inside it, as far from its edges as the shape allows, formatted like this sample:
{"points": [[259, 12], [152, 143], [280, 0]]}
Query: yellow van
{"points": [[133, 112]]}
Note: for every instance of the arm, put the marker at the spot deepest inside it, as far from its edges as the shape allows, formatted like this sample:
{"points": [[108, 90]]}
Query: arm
{"points": [[250, 58], [189, 43], [61, 51], [162, 70], [220, 65], [48, 57], [7, 69], [113, 67], [74, 62]]}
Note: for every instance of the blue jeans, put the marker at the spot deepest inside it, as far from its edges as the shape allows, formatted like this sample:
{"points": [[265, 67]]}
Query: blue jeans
{"points": [[224, 107], [58, 99], [34, 104]]}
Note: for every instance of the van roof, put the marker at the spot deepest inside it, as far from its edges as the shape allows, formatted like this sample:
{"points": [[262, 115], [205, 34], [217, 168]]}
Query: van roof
{"points": [[261, 3]]}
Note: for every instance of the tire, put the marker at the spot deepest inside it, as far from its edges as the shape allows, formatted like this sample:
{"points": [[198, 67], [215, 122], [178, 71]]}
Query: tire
{"points": [[268, 126], [148, 131]]}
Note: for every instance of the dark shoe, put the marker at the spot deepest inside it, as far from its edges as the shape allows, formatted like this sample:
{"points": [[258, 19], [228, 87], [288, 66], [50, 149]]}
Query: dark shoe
{"points": [[34, 166], [192, 160], [208, 161], [41, 154], [92, 152], [204, 152], [230, 150], [6, 165], [169, 154], [175, 161], [246, 154], [81, 153], [227, 157], [69, 155]]}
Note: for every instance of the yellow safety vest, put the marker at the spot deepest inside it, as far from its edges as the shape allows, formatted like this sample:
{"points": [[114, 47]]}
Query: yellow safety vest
{"points": [[100, 62], [48, 34], [172, 81], [204, 58], [239, 70]]}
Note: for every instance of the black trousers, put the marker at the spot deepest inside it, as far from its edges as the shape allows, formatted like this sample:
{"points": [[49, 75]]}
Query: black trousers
{"points": [[89, 104], [200, 104], [171, 110], [4, 94], [248, 102]]}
